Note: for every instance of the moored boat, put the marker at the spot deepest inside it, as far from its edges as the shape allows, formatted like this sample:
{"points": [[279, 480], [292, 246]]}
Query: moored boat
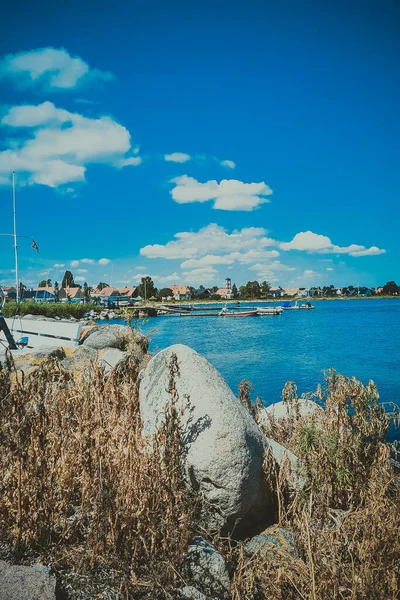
{"points": [[270, 310], [248, 313]]}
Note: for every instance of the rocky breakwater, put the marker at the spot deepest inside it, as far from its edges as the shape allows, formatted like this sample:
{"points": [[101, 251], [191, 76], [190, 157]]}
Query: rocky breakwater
{"points": [[109, 346]]}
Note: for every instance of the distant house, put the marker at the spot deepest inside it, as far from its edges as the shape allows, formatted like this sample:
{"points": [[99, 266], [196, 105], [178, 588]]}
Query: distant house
{"points": [[47, 294], [109, 291], [9, 292], [74, 293], [225, 292], [203, 292], [276, 291], [379, 290], [129, 292], [314, 291], [291, 291], [180, 292]]}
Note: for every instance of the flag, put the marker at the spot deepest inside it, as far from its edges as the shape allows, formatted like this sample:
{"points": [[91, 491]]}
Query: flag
{"points": [[35, 246]]}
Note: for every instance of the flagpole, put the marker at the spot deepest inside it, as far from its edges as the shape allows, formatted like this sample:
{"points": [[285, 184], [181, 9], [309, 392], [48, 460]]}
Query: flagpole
{"points": [[15, 238]]}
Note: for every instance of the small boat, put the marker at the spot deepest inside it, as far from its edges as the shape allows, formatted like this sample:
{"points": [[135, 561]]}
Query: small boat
{"points": [[288, 306], [270, 310], [248, 313], [307, 306]]}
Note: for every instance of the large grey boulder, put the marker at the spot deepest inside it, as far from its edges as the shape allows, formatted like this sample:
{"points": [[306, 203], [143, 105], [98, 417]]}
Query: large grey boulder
{"points": [[206, 570], [107, 336], [225, 447], [18, 582]]}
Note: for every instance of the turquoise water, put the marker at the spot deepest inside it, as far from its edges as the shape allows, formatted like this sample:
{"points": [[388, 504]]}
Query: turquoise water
{"points": [[359, 337]]}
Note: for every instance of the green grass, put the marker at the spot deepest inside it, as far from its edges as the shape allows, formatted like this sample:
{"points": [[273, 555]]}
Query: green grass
{"points": [[62, 310]]}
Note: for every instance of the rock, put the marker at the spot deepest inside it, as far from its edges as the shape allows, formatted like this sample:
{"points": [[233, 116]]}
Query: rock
{"points": [[108, 336], [281, 411], [269, 540], [205, 568], [78, 359], [26, 583], [112, 358], [40, 353], [191, 593], [225, 447], [39, 318], [285, 459], [85, 331]]}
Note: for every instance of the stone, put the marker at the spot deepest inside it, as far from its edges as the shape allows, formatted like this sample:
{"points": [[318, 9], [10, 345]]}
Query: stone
{"points": [[19, 582], [282, 411], [40, 353], [188, 592], [107, 336], [86, 329], [112, 358], [285, 459], [79, 359], [224, 446], [205, 568], [269, 540]]}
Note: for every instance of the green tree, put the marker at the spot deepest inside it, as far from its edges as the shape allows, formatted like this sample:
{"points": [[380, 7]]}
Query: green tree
{"points": [[252, 290], [43, 283], [235, 293], [68, 280], [102, 285], [165, 293], [391, 289], [147, 288], [265, 286]]}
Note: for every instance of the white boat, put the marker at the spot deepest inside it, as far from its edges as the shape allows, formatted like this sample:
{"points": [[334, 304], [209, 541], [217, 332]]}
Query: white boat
{"points": [[18, 333], [269, 310], [287, 306]]}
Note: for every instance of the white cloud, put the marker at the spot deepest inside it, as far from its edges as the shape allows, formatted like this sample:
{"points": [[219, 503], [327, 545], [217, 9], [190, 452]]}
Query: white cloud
{"points": [[211, 239], [208, 260], [229, 194], [202, 275], [74, 263], [310, 273], [82, 271], [228, 163], [87, 261], [329, 269], [59, 265], [316, 243], [104, 261], [178, 157], [56, 145], [49, 68], [170, 279], [79, 278]]}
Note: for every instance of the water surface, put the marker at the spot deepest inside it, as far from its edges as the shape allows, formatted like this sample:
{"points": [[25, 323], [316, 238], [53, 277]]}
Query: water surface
{"points": [[355, 337]]}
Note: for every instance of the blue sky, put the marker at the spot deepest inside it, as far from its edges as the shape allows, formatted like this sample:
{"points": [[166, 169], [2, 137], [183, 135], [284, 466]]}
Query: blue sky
{"points": [[197, 140]]}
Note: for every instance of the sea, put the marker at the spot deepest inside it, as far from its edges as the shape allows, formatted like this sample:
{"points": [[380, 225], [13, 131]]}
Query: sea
{"points": [[358, 338]]}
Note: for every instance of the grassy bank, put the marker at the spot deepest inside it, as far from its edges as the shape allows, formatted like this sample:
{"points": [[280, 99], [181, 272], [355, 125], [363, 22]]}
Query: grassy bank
{"points": [[46, 309], [84, 493]]}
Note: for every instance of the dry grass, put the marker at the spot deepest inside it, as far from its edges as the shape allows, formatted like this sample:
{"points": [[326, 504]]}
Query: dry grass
{"points": [[84, 491], [81, 490], [346, 523]]}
